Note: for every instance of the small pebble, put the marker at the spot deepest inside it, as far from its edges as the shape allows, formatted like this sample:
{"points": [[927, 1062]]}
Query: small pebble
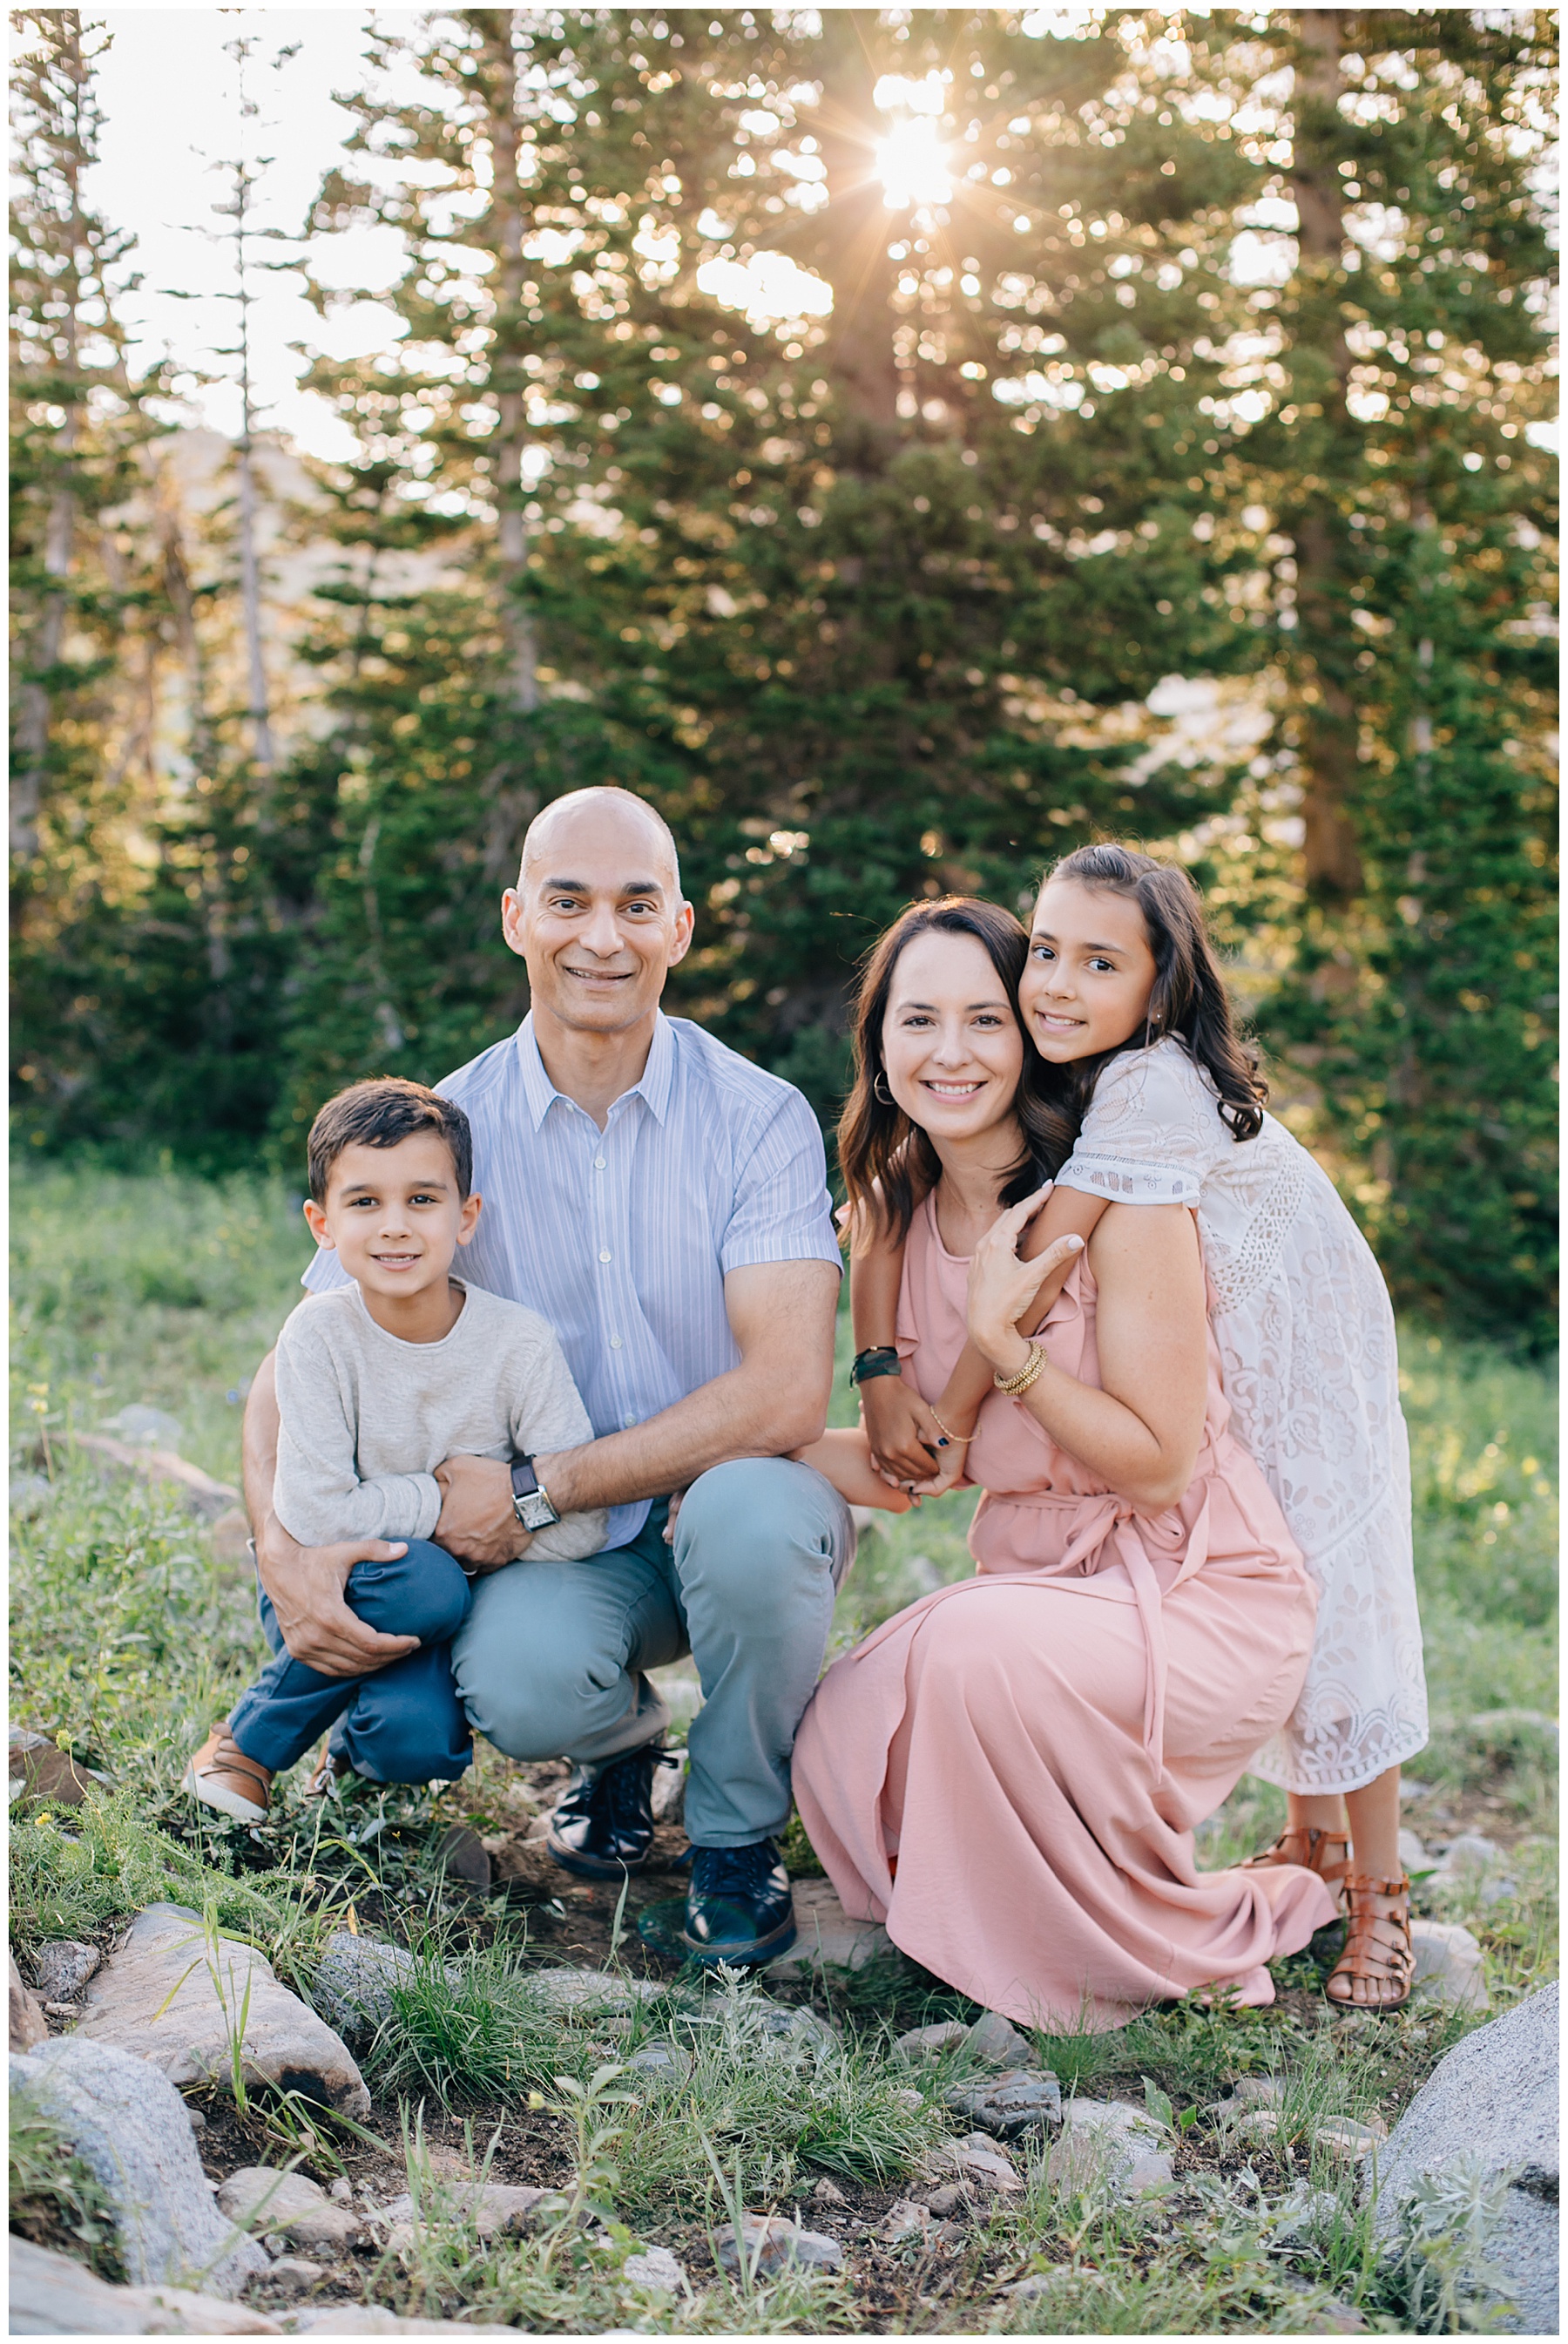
{"points": [[827, 2193]]}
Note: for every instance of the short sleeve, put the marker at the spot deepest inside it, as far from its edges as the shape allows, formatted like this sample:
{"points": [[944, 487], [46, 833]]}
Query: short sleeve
{"points": [[782, 1211], [1152, 1133]]}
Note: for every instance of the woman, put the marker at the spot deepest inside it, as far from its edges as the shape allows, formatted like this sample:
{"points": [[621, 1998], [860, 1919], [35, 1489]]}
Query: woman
{"points": [[1124, 1003], [1009, 1773]]}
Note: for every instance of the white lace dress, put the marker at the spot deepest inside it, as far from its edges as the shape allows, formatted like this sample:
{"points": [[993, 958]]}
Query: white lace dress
{"points": [[1306, 1337]]}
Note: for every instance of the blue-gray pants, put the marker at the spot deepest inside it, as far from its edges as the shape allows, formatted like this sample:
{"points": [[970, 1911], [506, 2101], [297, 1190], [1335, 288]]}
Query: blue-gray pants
{"points": [[550, 1661]]}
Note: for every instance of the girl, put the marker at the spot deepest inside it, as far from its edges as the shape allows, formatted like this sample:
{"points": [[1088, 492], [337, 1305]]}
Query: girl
{"points": [[1009, 1772], [1124, 1003]]}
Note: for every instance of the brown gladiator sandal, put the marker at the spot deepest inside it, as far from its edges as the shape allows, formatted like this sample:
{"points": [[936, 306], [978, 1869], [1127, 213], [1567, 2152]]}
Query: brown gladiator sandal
{"points": [[1326, 1853], [1378, 1949]]}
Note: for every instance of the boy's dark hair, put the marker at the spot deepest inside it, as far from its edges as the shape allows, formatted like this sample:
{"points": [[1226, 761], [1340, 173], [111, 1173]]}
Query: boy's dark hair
{"points": [[379, 1113]]}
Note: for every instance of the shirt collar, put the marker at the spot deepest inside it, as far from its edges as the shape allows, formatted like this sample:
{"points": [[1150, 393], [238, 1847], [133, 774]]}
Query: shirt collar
{"points": [[540, 1094]]}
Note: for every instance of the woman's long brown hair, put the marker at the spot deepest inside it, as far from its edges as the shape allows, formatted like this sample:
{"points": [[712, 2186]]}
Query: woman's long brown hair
{"points": [[878, 1148]]}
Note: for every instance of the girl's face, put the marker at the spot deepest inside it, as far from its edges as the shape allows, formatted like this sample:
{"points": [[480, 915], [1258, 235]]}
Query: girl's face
{"points": [[1086, 985], [950, 1043]]}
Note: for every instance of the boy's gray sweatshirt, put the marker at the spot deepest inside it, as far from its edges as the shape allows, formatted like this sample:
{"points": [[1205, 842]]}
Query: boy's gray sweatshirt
{"points": [[366, 1418]]}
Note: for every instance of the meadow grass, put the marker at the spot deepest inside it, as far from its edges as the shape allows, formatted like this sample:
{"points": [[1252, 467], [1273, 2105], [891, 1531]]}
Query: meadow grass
{"points": [[129, 1637]]}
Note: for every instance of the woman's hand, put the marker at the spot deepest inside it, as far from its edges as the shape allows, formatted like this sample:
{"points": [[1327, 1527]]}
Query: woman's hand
{"points": [[1001, 1287], [905, 1441]]}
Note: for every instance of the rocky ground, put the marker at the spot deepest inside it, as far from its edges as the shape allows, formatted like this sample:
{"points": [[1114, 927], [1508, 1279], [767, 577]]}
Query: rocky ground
{"points": [[381, 2061]]}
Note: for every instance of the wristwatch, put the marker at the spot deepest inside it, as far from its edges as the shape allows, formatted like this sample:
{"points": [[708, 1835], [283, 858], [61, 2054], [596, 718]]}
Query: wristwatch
{"points": [[530, 1501]]}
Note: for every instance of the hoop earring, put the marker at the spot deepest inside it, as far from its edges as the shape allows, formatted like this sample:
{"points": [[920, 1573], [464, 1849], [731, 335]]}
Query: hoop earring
{"points": [[880, 1091]]}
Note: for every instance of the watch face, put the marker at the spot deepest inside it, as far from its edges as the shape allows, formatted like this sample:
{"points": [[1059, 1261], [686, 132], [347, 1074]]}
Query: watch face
{"points": [[535, 1511]]}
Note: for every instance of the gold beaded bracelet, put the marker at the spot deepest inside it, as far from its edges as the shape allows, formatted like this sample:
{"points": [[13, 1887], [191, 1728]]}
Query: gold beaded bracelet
{"points": [[959, 1440], [1026, 1374]]}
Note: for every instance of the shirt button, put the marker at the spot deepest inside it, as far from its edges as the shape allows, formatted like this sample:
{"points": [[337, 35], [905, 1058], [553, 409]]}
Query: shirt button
{"points": [[599, 1164], [615, 1342], [628, 1423], [604, 1256]]}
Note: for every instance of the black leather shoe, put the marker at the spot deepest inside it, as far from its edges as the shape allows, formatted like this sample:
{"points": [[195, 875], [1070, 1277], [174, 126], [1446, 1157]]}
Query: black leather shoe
{"points": [[739, 1908], [604, 1825]]}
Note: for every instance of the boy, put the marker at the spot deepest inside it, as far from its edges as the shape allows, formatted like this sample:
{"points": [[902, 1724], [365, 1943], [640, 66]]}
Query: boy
{"points": [[377, 1383]]}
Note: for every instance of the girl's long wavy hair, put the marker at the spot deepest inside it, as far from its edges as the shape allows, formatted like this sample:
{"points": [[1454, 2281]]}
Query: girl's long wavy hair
{"points": [[1189, 999], [878, 1148]]}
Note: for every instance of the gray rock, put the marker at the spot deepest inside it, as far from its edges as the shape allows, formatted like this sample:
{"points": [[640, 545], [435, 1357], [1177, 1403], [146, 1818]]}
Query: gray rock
{"points": [[146, 1428], [1493, 2100], [667, 2063], [1349, 2140], [492, 2207], [977, 2163], [1412, 1856], [1015, 2103], [53, 2295], [668, 1797], [657, 2267], [1107, 2142], [352, 1988], [128, 2124], [157, 1998], [592, 1990], [998, 2042], [907, 2217], [369, 2320], [290, 2206], [770, 2244], [1449, 1965], [293, 2275], [1470, 1856], [63, 1968], [827, 2193], [28, 2023], [828, 1937], [931, 2042]]}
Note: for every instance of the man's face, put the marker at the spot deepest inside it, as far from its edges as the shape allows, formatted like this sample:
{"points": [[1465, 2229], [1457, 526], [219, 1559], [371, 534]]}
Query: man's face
{"points": [[599, 917]]}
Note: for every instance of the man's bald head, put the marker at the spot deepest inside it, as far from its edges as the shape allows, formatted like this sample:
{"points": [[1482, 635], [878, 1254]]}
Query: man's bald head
{"points": [[598, 915], [603, 813]]}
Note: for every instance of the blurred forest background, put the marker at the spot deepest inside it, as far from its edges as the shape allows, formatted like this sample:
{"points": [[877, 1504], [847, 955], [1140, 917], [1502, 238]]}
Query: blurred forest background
{"points": [[902, 445]]}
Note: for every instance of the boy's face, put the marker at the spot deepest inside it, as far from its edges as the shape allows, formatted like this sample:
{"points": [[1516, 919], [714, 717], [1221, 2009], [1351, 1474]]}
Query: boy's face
{"points": [[394, 1215]]}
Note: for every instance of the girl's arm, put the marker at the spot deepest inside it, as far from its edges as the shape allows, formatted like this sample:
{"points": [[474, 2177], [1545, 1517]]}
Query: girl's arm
{"points": [[1067, 1212], [1141, 1431], [844, 1458], [906, 1442]]}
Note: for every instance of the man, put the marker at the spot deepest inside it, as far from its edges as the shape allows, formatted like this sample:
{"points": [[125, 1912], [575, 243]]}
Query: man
{"points": [[663, 1203]]}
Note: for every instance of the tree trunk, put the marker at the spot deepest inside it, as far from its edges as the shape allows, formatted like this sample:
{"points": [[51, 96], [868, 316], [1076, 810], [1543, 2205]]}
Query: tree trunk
{"points": [[856, 226], [1329, 746], [35, 717], [506, 215]]}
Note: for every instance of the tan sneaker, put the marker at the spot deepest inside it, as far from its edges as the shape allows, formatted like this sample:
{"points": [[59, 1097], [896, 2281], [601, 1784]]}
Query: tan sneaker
{"points": [[220, 1775]]}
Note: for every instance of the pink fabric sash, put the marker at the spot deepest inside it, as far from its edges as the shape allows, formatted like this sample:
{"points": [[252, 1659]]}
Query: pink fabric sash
{"points": [[1104, 1529]]}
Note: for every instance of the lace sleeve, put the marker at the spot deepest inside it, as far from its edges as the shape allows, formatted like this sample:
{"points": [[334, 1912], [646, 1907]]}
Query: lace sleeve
{"points": [[1152, 1133]]}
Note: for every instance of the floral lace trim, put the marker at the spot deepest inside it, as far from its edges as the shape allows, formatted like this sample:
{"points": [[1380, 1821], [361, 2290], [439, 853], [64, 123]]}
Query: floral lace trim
{"points": [[1234, 1275], [1122, 1176]]}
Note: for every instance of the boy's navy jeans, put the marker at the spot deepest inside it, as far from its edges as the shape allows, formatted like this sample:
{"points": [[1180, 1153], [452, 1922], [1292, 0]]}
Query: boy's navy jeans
{"points": [[402, 1723]]}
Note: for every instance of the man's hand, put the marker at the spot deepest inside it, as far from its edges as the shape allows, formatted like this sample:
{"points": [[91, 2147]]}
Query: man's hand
{"points": [[477, 1522], [306, 1583]]}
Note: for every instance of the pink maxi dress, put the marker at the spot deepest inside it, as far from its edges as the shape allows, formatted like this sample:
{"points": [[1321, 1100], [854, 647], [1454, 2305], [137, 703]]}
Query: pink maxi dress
{"points": [[1034, 1745]]}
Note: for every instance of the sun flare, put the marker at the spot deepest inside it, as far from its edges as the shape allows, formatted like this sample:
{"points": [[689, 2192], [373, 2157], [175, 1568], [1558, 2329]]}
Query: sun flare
{"points": [[912, 166]]}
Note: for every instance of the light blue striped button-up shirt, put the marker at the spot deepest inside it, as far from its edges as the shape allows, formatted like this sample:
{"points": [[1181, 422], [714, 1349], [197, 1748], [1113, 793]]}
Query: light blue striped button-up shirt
{"points": [[622, 1238]]}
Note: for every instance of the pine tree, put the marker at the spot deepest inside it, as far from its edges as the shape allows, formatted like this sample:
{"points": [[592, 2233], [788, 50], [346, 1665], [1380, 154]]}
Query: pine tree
{"points": [[815, 590], [1418, 678], [87, 592]]}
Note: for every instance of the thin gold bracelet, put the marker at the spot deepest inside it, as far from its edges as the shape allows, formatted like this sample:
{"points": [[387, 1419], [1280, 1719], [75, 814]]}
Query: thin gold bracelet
{"points": [[959, 1440], [1027, 1375]]}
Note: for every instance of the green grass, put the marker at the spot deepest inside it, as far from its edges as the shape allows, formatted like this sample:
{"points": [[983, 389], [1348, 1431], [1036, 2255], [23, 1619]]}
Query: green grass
{"points": [[128, 1638]]}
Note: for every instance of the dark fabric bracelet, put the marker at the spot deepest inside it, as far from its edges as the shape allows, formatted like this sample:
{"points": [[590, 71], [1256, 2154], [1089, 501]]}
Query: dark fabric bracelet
{"points": [[881, 1359]]}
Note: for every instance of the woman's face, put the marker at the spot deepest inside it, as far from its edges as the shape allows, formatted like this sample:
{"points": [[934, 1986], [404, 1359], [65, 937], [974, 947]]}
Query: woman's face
{"points": [[1090, 972], [950, 1043]]}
